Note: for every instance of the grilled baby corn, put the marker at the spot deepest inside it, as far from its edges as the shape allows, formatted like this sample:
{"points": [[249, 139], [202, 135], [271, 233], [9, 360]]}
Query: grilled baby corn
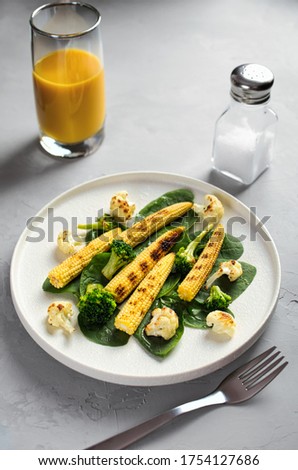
{"points": [[129, 277], [196, 278], [154, 222], [133, 312], [72, 266]]}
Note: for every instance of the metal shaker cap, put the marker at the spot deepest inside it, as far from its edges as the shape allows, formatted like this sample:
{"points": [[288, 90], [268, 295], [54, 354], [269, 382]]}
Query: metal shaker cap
{"points": [[251, 83]]}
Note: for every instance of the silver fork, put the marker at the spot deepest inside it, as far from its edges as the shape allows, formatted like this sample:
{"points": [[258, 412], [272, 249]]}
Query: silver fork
{"points": [[239, 386]]}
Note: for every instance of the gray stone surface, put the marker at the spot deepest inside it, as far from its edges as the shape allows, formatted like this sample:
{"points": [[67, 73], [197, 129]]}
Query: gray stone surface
{"points": [[167, 75]]}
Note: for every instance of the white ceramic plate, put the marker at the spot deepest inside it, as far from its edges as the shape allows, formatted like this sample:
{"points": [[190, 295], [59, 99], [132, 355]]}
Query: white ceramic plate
{"points": [[199, 352]]}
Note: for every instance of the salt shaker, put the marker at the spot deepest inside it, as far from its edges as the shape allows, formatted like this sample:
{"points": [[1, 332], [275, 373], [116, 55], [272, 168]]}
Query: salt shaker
{"points": [[245, 132]]}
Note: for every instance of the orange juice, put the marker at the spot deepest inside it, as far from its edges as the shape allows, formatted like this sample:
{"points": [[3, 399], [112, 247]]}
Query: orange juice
{"points": [[69, 95]]}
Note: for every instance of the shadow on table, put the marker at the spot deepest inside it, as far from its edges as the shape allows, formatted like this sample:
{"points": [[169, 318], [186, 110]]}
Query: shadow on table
{"points": [[27, 162], [225, 183]]}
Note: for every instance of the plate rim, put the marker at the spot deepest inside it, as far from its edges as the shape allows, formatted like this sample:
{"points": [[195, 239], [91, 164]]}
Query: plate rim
{"points": [[128, 379]]}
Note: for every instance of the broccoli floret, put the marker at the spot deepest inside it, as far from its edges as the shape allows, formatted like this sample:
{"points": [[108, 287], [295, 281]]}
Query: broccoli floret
{"points": [[121, 254], [185, 258], [217, 299], [104, 223], [183, 262], [96, 306]]}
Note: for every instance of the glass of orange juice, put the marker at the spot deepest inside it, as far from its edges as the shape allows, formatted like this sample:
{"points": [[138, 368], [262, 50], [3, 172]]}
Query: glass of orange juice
{"points": [[68, 78]]}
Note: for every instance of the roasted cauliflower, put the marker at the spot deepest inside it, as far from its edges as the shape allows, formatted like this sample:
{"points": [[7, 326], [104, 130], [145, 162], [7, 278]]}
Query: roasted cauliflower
{"points": [[59, 314], [221, 322], [212, 210], [231, 268], [164, 323], [121, 209], [67, 244]]}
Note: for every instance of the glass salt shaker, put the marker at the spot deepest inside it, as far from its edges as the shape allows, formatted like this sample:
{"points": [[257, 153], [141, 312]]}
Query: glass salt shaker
{"points": [[245, 132]]}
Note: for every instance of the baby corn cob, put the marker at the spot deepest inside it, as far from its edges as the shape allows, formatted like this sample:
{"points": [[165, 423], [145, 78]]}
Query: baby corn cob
{"points": [[154, 222], [129, 277], [196, 278], [72, 266], [133, 312]]}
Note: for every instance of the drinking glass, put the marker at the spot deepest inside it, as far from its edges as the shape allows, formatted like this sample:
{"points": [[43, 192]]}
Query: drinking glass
{"points": [[68, 78]]}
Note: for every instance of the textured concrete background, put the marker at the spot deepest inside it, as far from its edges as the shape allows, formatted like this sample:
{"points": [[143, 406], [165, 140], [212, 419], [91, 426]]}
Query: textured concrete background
{"points": [[167, 74]]}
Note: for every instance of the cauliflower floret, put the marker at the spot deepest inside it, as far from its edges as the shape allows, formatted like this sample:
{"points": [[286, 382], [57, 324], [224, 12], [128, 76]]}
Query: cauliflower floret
{"points": [[121, 209], [164, 323], [231, 268], [67, 244], [212, 210], [59, 314], [221, 322]]}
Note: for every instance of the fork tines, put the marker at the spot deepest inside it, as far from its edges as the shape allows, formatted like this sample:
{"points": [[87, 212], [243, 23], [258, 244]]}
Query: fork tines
{"points": [[262, 369]]}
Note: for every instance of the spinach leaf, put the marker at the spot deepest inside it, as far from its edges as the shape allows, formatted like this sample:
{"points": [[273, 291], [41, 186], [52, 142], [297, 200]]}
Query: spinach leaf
{"points": [[72, 287], [106, 335], [167, 199], [169, 285], [92, 273], [232, 248], [195, 315]]}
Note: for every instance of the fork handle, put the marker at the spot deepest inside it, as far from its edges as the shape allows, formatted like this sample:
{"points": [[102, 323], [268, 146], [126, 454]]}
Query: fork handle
{"points": [[128, 437]]}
